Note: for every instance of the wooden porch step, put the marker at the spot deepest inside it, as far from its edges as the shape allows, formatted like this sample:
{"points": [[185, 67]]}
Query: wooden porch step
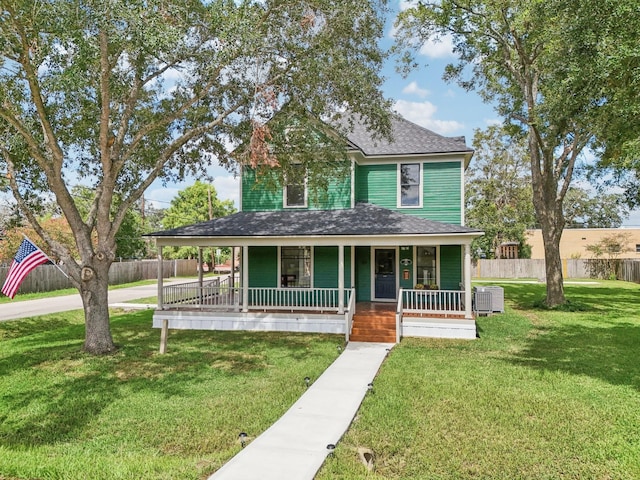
{"points": [[374, 327]]}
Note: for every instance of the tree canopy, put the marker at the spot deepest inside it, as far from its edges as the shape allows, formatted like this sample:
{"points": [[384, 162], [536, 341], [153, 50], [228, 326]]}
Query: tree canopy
{"points": [[498, 190], [537, 61], [120, 94], [196, 203]]}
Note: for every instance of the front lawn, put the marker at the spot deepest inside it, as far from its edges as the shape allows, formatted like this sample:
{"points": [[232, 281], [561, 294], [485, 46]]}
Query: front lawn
{"points": [[541, 395], [138, 414]]}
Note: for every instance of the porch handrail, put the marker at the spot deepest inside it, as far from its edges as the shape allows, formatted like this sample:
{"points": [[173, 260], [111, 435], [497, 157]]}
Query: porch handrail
{"points": [[432, 301], [399, 313], [212, 293], [351, 310]]}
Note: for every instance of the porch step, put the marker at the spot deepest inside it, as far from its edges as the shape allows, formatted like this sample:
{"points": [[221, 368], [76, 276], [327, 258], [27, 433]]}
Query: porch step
{"points": [[374, 327]]}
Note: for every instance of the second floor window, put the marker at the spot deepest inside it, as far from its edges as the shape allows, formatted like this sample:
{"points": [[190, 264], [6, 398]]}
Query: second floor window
{"points": [[295, 193], [410, 185]]}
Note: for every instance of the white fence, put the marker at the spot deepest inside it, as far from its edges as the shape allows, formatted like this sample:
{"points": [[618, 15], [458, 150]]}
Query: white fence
{"points": [[47, 278]]}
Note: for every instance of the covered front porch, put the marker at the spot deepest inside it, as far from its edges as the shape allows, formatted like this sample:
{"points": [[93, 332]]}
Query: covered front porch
{"points": [[314, 271], [221, 304]]}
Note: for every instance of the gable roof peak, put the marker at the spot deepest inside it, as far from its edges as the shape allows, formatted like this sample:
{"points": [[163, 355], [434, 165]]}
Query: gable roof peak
{"points": [[407, 138]]}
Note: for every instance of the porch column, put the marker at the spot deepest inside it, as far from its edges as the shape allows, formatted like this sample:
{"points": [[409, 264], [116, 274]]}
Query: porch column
{"points": [[340, 279], [160, 278], [245, 278], [200, 266], [467, 280]]}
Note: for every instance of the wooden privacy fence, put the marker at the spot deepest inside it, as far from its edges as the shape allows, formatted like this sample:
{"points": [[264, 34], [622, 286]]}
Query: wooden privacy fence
{"points": [[47, 278], [628, 270]]}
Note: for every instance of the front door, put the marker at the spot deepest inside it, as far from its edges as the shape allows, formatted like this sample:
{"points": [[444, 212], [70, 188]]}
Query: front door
{"points": [[385, 274]]}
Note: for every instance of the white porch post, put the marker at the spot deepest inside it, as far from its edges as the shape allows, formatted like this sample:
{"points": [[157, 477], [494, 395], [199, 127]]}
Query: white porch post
{"points": [[467, 280], [160, 278], [245, 278], [340, 279]]}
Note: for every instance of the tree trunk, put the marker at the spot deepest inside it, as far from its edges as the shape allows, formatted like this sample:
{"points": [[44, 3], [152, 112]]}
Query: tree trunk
{"points": [[94, 290], [548, 206], [553, 266]]}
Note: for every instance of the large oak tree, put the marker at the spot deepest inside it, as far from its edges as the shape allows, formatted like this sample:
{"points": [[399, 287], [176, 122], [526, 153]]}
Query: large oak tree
{"points": [[536, 60], [117, 94]]}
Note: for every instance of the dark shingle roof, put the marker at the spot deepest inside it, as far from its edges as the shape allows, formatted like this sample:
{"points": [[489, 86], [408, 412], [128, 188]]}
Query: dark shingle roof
{"points": [[407, 139], [363, 220]]}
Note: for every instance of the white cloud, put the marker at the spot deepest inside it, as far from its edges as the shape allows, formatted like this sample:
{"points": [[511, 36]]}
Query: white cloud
{"points": [[228, 188], [438, 48], [422, 113], [414, 89]]}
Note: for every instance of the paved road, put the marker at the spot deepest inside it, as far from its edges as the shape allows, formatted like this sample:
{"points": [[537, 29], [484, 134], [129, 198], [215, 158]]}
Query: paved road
{"points": [[43, 306]]}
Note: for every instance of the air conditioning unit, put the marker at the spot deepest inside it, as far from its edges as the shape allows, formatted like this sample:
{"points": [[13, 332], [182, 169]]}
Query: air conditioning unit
{"points": [[482, 301], [488, 300]]}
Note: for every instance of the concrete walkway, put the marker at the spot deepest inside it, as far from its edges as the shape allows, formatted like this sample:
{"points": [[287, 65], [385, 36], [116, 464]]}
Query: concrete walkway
{"points": [[295, 447]]}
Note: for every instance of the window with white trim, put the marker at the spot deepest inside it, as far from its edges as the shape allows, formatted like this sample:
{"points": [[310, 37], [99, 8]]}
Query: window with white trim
{"points": [[295, 267], [410, 185], [295, 192]]}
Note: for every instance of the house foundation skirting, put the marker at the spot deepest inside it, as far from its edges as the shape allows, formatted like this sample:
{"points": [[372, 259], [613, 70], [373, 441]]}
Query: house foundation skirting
{"points": [[251, 321], [438, 328]]}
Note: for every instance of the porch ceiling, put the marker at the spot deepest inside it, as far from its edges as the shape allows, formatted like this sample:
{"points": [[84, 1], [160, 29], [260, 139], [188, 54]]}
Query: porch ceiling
{"points": [[365, 224]]}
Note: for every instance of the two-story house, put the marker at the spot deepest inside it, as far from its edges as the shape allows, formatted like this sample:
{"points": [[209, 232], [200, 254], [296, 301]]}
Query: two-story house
{"points": [[385, 254]]}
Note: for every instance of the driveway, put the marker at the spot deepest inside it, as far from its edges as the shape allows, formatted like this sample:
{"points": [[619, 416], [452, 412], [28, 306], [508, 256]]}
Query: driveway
{"points": [[31, 308]]}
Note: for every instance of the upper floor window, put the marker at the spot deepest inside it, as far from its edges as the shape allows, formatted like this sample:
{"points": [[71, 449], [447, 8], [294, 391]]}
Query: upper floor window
{"points": [[410, 185], [295, 193]]}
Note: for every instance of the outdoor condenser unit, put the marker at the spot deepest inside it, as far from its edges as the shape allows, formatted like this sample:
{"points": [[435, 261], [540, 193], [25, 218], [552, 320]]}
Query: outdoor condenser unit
{"points": [[482, 301]]}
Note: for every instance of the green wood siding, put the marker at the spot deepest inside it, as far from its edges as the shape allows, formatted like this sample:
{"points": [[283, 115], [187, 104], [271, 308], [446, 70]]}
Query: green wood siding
{"points": [[363, 274], [441, 183], [450, 267], [256, 197], [377, 184], [442, 199], [263, 267], [325, 267], [406, 253]]}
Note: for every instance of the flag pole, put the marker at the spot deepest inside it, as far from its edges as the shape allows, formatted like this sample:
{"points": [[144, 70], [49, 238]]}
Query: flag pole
{"points": [[54, 263]]}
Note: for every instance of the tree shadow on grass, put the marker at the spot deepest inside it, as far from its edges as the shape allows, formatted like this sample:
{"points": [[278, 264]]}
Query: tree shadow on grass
{"points": [[57, 390], [607, 352]]}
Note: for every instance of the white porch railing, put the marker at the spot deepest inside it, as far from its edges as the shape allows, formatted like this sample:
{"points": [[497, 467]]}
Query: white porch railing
{"points": [[213, 293], [315, 299], [432, 301], [216, 294]]}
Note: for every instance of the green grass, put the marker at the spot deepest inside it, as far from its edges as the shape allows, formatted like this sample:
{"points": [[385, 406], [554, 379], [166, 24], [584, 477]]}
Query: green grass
{"points": [[541, 395], [138, 414]]}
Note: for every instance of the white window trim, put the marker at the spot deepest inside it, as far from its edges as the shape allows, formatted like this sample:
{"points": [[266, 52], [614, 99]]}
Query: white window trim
{"points": [[311, 272], [415, 263], [420, 188], [284, 197]]}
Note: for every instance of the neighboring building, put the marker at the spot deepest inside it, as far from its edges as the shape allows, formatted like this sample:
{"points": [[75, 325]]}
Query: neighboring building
{"points": [[395, 225], [574, 241]]}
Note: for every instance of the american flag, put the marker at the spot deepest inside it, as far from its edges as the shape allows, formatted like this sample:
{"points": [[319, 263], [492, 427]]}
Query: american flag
{"points": [[28, 257]]}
